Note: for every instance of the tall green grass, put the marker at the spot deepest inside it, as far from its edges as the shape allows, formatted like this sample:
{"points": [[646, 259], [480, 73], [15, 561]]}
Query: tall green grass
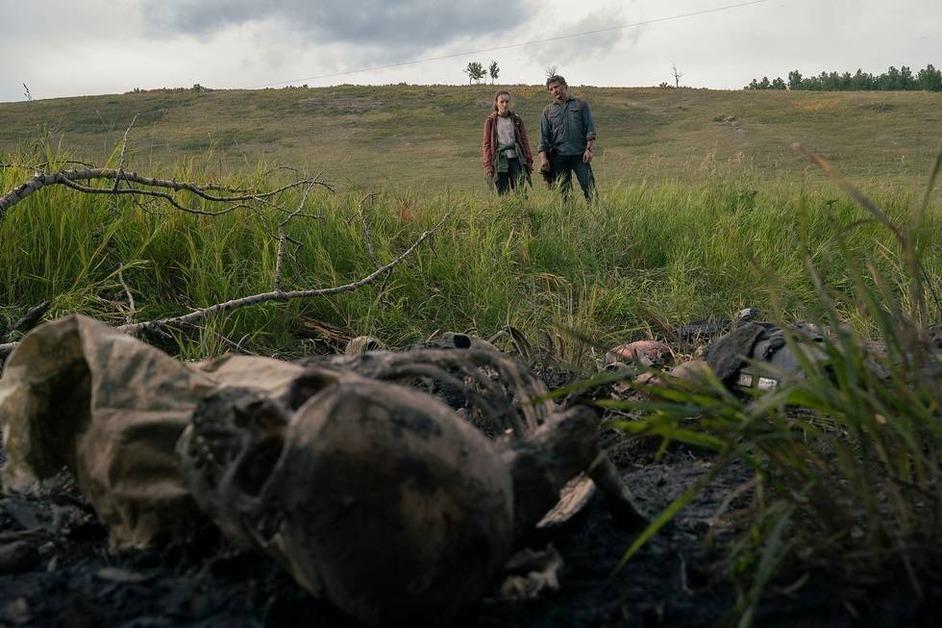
{"points": [[641, 261], [848, 486], [846, 455]]}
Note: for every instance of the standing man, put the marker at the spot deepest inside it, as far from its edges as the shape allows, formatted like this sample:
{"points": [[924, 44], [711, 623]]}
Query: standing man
{"points": [[567, 134]]}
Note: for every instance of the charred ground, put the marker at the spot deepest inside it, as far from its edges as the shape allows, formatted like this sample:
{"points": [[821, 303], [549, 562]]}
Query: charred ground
{"points": [[58, 570]]}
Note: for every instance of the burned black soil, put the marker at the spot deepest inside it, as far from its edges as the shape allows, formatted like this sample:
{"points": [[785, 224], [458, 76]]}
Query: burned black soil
{"points": [[56, 569]]}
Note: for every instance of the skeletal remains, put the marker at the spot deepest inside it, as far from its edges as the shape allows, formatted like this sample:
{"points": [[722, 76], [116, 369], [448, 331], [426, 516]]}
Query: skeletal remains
{"points": [[354, 474]]}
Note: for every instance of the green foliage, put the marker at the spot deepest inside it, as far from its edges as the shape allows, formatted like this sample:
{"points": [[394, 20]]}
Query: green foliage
{"points": [[494, 71], [850, 485], [846, 454], [643, 259], [894, 79], [475, 71]]}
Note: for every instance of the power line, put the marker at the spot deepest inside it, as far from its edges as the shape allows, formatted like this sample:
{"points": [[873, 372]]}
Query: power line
{"points": [[657, 20]]}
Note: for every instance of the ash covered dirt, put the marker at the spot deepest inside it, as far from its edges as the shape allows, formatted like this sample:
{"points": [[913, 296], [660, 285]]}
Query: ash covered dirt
{"points": [[68, 577], [56, 569]]}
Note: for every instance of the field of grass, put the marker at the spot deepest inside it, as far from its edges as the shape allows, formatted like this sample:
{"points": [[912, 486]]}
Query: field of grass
{"points": [[428, 137], [702, 201], [642, 261], [703, 210]]}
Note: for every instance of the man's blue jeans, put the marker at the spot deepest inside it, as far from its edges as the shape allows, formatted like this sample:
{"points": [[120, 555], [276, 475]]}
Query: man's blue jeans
{"points": [[564, 166]]}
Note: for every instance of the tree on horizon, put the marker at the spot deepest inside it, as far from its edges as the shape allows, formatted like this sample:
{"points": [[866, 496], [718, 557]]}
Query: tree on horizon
{"points": [[475, 71]]}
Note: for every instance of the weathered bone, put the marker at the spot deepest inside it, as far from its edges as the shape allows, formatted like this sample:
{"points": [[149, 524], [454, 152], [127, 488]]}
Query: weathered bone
{"points": [[559, 450], [492, 383], [372, 495]]}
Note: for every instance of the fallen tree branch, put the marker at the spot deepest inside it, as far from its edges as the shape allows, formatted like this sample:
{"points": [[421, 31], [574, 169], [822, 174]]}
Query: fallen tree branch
{"points": [[368, 241], [157, 326], [277, 295], [43, 165], [70, 178], [124, 147], [283, 238], [367, 233], [26, 322], [131, 306]]}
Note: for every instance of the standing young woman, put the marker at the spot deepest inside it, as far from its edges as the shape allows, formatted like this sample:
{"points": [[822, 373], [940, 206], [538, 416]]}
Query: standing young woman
{"points": [[505, 149]]}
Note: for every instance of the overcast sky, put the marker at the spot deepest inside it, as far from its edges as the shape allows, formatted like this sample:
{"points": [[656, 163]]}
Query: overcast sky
{"points": [[68, 48]]}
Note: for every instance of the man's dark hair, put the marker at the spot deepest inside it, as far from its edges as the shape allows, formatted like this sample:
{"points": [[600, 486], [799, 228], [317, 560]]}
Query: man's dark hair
{"points": [[556, 79]]}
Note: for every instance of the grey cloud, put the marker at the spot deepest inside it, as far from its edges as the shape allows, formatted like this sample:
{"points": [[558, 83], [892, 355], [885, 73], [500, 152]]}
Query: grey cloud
{"points": [[405, 24], [593, 45]]}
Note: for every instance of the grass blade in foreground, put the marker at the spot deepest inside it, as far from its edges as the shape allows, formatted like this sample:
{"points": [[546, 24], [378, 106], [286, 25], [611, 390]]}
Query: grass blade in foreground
{"points": [[848, 489]]}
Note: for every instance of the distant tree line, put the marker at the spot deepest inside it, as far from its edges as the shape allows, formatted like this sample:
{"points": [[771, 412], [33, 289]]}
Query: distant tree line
{"points": [[929, 79]]}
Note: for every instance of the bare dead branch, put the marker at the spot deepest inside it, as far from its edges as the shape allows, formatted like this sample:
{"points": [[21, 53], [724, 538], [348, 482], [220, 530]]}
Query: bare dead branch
{"points": [[70, 178], [368, 241], [367, 234], [235, 345], [278, 295], [29, 320], [131, 307], [45, 164], [153, 193], [124, 147], [299, 214], [157, 326], [283, 236]]}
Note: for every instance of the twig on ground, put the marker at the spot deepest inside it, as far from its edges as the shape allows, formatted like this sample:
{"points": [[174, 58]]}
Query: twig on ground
{"points": [[235, 344], [276, 295], [158, 326], [124, 147], [368, 241], [283, 235], [29, 320], [129, 318], [45, 164], [367, 233]]}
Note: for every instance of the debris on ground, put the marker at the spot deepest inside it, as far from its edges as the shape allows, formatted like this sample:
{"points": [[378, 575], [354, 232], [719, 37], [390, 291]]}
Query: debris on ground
{"points": [[530, 573], [338, 472], [110, 516]]}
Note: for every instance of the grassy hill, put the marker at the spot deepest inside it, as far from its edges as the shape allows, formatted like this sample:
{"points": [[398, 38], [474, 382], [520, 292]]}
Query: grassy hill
{"points": [[704, 209], [429, 136]]}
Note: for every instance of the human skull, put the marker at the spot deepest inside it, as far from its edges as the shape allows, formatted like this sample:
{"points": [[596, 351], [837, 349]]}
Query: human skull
{"points": [[228, 451], [374, 496]]}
